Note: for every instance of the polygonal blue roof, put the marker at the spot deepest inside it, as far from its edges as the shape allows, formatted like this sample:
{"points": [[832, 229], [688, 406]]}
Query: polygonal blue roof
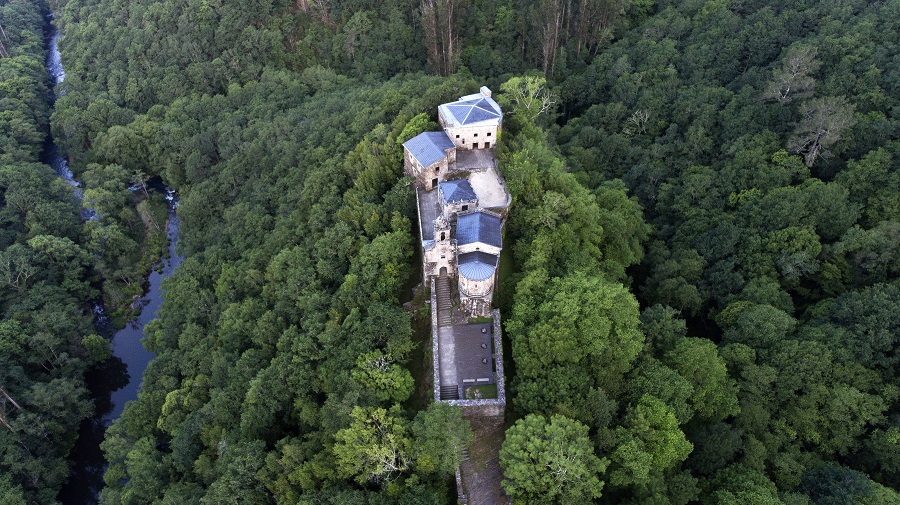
{"points": [[457, 191], [469, 111], [478, 227], [477, 266], [428, 147]]}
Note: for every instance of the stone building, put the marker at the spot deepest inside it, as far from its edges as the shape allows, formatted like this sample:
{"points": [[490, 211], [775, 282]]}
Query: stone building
{"points": [[461, 239], [473, 121], [478, 245], [428, 157], [457, 196]]}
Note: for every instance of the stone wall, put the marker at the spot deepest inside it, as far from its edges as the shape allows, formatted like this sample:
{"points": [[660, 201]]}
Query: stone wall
{"points": [[465, 137], [487, 408], [426, 175], [452, 209], [460, 491], [421, 238], [476, 289], [435, 352], [443, 254]]}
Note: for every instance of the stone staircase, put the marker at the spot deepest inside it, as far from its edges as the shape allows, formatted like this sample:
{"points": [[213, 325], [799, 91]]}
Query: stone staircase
{"points": [[442, 286], [450, 392]]}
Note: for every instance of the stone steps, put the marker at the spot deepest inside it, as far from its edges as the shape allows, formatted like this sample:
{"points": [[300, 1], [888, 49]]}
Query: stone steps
{"points": [[450, 392], [442, 286]]}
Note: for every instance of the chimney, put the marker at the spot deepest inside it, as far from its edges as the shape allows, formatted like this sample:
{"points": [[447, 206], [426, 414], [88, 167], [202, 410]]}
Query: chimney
{"points": [[485, 91]]}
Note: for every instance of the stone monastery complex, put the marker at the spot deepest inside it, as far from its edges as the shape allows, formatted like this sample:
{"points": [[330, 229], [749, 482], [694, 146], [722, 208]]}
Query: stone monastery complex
{"points": [[462, 200], [462, 204]]}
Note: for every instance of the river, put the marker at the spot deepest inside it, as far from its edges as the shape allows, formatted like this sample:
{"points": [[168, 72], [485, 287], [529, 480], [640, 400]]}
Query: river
{"points": [[117, 381]]}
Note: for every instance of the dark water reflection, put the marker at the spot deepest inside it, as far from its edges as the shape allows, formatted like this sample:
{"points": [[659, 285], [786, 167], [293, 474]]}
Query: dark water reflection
{"points": [[88, 466], [114, 383], [126, 343]]}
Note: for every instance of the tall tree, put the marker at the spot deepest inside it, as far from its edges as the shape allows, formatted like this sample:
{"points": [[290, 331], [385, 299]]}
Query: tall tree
{"points": [[595, 23], [440, 23], [376, 447], [441, 435], [548, 21], [793, 79], [823, 121], [550, 462]]}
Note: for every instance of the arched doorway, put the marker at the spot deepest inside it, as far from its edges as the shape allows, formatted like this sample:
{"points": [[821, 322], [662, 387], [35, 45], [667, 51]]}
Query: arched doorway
{"points": [[443, 272]]}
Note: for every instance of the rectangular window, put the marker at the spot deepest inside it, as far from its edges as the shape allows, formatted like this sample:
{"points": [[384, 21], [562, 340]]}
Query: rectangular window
{"points": [[457, 136], [465, 207], [489, 134], [476, 134]]}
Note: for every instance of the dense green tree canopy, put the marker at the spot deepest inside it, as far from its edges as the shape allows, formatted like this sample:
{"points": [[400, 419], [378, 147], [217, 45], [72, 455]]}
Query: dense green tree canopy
{"points": [[550, 461], [699, 281]]}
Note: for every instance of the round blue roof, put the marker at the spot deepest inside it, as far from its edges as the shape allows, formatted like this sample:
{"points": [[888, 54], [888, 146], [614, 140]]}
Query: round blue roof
{"points": [[477, 266]]}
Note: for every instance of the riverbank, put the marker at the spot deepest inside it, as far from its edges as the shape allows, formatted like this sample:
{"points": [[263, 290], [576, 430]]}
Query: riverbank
{"points": [[130, 229], [117, 381], [48, 345]]}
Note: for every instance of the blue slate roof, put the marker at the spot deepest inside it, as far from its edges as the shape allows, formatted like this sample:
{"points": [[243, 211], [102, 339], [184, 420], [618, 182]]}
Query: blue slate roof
{"points": [[478, 227], [477, 266], [457, 191], [428, 147], [469, 111]]}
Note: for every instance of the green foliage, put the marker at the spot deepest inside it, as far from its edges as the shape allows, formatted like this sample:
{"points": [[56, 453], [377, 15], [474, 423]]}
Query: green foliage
{"points": [[375, 447], [714, 396], [650, 442], [731, 165], [10, 494], [386, 380], [441, 435], [47, 342], [738, 484], [282, 336], [550, 461], [833, 485], [23, 82], [528, 97], [585, 325], [97, 347]]}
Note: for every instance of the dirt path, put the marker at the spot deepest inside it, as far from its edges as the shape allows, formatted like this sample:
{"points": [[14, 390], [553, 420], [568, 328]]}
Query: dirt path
{"points": [[481, 474]]}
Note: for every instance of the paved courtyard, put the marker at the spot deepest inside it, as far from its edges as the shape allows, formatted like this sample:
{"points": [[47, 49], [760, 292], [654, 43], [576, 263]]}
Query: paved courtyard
{"points": [[489, 188], [475, 159], [430, 209], [474, 360]]}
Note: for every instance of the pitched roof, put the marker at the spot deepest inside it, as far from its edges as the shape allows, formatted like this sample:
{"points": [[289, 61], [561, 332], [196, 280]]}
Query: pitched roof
{"points": [[477, 266], [470, 110], [478, 226], [428, 147], [457, 191]]}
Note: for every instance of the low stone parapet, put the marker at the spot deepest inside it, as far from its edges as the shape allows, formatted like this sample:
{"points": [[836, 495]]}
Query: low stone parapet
{"points": [[435, 351], [492, 407]]}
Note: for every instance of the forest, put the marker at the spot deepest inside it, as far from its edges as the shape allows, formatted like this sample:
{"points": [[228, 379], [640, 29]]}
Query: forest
{"points": [[48, 346], [701, 298]]}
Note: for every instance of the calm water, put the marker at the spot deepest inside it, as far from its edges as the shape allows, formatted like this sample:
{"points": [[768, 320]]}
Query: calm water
{"points": [[117, 381]]}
